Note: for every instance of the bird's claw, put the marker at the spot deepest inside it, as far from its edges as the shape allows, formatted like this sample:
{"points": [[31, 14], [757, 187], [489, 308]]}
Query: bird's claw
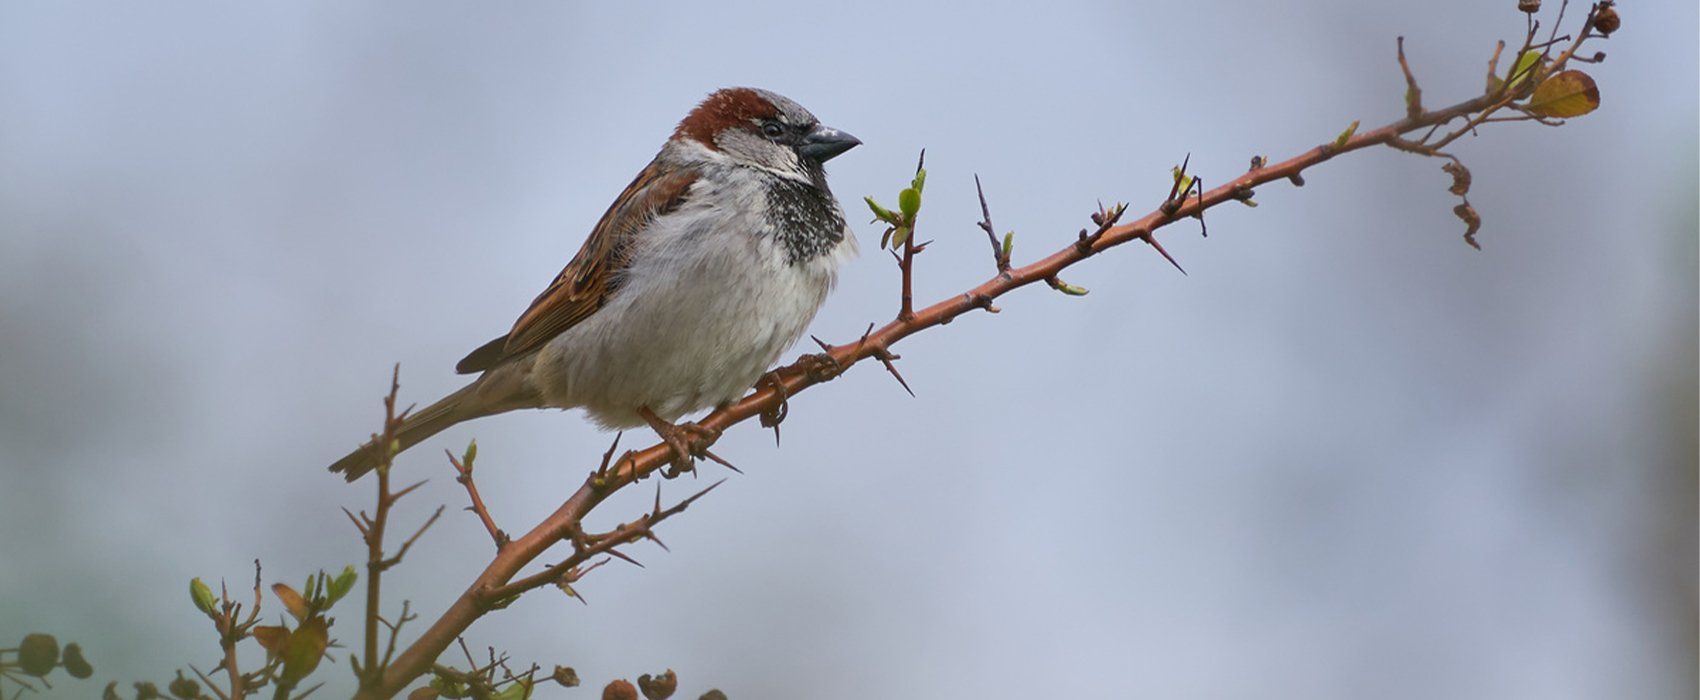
{"points": [[688, 440]]}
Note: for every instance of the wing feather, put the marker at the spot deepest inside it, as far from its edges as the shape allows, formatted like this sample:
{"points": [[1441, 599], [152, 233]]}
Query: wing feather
{"points": [[585, 284]]}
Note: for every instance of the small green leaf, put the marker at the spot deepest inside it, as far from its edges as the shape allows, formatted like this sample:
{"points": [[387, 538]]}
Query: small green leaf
{"points": [[449, 688], [1008, 244], [909, 200], [1071, 290], [470, 454], [1183, 181], [342, 584], [920, 182], [1346, 135], [520, 689], [880, 213], [899, 235], [1524, 67], [202, 594]]}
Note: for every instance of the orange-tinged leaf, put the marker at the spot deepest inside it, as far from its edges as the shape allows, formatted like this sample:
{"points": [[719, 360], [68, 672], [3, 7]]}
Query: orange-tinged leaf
{"points": [[272, 637], [1568, 94], [292, 601]]}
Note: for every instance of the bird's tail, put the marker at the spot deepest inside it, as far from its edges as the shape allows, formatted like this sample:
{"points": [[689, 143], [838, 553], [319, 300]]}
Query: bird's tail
{"points": [[460, 406]]}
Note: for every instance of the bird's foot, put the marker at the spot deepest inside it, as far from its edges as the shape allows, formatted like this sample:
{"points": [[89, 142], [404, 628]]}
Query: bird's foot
{"points": [[688, 441]]}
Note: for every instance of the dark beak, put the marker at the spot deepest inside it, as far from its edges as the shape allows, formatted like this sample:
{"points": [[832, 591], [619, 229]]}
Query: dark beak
{"points": [[825, 142]]}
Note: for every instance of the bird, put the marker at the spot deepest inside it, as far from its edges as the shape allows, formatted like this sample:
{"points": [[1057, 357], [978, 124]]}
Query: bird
{"points": [[707, 267]]}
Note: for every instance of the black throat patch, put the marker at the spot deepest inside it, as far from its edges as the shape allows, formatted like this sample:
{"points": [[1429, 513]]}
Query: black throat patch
{"points": [[805, 219]]}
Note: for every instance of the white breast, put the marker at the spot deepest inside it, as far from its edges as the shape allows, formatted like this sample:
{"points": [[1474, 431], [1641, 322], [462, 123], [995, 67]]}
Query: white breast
{"points": [[707, 305]]}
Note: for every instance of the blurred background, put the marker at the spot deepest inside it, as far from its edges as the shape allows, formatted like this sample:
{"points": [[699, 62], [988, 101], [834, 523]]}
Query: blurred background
{"points": [[1346, 456]]}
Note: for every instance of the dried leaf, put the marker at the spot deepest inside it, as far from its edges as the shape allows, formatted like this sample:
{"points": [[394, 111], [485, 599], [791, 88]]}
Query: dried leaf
{"points": [[1460, 178], [184, 688], [1472, 223], [74, 663], [659, 687], [38, 654], [566, 676]]}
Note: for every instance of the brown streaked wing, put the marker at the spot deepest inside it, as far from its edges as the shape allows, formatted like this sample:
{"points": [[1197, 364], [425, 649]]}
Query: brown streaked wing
{"points": [[587, 281]]}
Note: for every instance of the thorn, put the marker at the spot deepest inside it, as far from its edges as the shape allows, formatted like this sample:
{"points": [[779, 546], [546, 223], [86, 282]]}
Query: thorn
{"points": [[720, 461], [357, 524], [1154, 244], [657, 540], [610, 453], [886, 357], [404, 492], [687, 502], [617, 553]]}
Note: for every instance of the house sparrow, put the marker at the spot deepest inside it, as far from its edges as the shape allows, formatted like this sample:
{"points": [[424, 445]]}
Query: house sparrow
{"points": [[706, 268]]}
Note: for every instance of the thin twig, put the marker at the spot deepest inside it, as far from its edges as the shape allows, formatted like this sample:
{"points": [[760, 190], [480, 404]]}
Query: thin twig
{"points": [[998, 255], [465, 479]]}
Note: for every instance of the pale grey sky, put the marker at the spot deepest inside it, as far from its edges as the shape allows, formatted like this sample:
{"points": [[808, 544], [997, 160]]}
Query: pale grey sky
{"points": [[1346, 456]]}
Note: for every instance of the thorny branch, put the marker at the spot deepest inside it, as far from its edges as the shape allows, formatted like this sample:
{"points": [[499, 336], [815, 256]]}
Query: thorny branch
{"points": [[497, 585], [464, 469]]}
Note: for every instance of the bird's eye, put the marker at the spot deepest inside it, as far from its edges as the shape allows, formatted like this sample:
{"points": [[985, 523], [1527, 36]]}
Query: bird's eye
{"points": [[772, 129]]}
